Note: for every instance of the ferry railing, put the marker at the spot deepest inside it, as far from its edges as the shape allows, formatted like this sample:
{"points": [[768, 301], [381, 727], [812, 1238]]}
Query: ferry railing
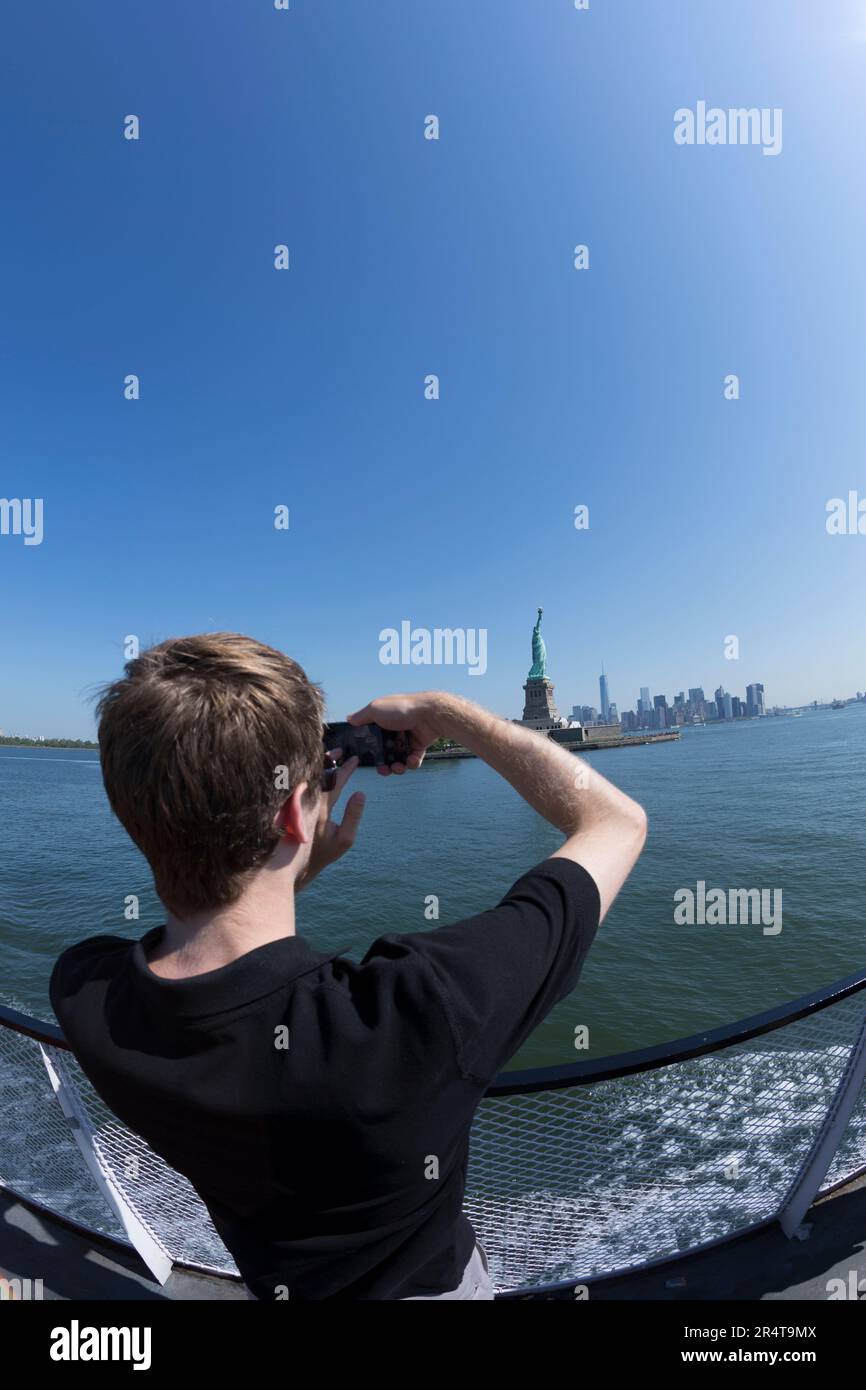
{"points": [[576, 1172]]}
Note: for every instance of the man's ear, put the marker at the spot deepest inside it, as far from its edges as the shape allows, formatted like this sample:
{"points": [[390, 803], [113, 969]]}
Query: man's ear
{"points": [[290, 820]]}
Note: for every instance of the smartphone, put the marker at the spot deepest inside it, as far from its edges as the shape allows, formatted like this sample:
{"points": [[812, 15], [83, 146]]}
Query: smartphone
{"points": [[369, 743]]}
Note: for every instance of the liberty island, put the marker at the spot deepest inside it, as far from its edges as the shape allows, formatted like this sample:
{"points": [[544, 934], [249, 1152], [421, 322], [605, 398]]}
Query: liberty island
{"points": [[540, 711]]}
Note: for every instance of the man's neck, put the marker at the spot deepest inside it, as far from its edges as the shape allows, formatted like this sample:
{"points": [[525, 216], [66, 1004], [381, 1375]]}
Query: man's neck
{"points": [[208, 940]]}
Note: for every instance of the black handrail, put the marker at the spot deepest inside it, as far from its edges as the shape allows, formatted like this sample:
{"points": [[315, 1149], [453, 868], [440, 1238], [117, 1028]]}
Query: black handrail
{"points": [[33, 1027], [510, 1083], [679, 1050]]}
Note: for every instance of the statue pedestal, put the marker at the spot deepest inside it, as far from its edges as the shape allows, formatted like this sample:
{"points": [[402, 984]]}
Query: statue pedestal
{"points": [[539, 710]]}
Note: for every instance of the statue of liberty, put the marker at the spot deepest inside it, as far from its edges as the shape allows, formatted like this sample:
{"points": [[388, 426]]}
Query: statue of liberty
{"points": [[538, 670]]}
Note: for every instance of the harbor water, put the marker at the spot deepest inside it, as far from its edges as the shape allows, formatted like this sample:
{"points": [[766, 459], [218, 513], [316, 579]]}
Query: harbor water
{"points": [[777, 804]]}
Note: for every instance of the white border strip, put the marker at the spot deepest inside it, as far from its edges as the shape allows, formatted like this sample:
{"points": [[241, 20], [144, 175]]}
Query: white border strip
{"points": [[152, 1252]]}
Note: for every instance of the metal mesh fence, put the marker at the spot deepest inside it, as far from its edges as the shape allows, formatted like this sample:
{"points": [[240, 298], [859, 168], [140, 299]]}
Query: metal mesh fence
{"points": [[39, 1160], [564, 1184], [569, 1184]]}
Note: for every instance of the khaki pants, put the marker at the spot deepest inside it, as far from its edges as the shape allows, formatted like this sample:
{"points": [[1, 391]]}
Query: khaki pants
{"points": [[476, 1282]]}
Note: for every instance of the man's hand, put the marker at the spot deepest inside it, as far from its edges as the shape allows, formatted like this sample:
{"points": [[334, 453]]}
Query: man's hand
{"points": [[330, 839], [417, 715]]}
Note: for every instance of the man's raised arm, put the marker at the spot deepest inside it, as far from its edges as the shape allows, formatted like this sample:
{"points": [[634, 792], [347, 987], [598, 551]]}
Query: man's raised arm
{"points": [[604, 829]]}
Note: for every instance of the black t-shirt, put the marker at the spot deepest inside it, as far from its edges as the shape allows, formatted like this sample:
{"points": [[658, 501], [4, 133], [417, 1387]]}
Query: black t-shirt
{"points": [[321, 1108]]}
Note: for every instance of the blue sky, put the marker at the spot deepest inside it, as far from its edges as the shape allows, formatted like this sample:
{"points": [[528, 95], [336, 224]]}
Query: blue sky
{"points": [[407, 257]]}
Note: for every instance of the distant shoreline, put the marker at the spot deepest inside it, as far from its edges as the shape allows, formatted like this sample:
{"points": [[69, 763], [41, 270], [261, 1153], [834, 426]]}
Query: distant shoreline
{"points": [[570, 746], [591, 746], [46, 743]]}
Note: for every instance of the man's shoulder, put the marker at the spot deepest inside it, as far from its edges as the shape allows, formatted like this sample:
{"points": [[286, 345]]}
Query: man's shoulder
{"points": [[96, 957]]}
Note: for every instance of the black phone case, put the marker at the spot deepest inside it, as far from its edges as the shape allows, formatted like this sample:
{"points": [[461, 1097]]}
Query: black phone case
{"points": [[371, 744]]}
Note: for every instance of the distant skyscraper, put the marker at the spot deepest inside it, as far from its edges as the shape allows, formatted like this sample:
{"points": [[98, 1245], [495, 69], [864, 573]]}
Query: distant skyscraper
{"points": [[612, 713], [644, 703], [755, 700], [605, 697], [696, 694], [720, 702], [728, 706]]}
